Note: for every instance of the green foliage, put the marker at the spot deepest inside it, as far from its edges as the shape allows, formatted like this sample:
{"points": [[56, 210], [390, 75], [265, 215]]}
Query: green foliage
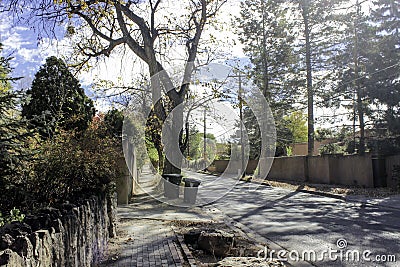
{"points": [[152, 153], [384, 87], [4, 72], [14, 135], [332, 148], [153, 138], [132, 128], [114, 120], [263, 29], [289, 151], [222, 151], [289, 129], [57, 101], [14, 216], [196, 145], [323, 134], [296, 122], [13, 132]]}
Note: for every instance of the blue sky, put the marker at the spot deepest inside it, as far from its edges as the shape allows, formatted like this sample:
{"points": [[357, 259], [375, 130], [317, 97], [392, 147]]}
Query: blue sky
{"points": [[29, 53], [22, 43]]}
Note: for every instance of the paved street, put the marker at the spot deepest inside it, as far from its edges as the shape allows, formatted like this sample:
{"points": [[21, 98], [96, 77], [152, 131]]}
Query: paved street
{"points": [[294, 221], [300, 221]]}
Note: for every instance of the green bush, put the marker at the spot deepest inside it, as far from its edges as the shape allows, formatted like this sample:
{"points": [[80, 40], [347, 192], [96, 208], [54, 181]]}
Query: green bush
{"points": [[114, 121], [14, 216], [332, 148], [70, 167]]}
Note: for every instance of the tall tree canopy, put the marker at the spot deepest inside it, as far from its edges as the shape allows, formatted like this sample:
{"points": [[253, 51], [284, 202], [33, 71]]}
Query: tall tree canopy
{"points": [[265, 33], [383, 85], [13, 131], [152, 30], [57, 100], [289, 43]]}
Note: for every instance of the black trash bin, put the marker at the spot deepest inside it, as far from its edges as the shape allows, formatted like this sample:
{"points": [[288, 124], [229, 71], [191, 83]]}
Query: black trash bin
{"points": [[379, 170], [171, 185], [191, 188]]}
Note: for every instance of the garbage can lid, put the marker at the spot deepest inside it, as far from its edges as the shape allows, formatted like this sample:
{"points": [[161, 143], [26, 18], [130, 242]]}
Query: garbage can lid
{"points": [[176, 175], [192, 181]]}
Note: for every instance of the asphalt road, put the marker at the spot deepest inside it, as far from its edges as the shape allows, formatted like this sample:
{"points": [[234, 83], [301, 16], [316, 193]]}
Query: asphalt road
{"points": [[304, 224]]}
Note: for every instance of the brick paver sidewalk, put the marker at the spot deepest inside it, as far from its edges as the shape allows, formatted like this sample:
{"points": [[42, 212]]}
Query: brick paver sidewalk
{"points": [[145, 235], [148, 243]]}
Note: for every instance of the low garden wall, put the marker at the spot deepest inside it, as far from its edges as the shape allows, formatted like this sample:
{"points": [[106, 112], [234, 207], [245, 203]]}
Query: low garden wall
{"points": [[351, 170], [221, 165], [73, 235], [360, 170], [393, 171], [288, 168], [342, 170]]}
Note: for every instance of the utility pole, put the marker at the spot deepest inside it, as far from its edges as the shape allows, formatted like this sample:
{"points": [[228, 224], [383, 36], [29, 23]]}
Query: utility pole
{"points": [[204, 136], [241, 123], [188, 140], [360, 108], [240, 99]]}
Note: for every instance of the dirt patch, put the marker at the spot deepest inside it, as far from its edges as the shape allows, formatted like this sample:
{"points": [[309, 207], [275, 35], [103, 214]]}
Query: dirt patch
{"points": [[115, 244], [215, 244], [341, 190]]}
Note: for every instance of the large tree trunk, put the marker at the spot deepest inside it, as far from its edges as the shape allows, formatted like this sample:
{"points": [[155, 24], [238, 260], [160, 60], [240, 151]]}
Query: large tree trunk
{"points": [[360, 108], [310, 92], [265, 77], [172, 135], [160, 159]]}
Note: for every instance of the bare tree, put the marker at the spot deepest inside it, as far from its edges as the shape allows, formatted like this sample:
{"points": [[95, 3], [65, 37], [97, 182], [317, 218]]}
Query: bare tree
{"points": [[148, 29]]}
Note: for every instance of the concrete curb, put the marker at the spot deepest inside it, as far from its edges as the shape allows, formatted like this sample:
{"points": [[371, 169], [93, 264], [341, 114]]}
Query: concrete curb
{"points": [[186, 251], [319, 193], [323, 194]]}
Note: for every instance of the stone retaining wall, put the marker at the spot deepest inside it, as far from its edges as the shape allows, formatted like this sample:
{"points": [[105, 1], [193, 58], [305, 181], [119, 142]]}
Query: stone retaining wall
{"points": [[74, 235]]}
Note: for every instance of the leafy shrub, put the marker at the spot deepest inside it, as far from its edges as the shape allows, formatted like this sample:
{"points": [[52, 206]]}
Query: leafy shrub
{"points": [[14, 216], [71, 166], [332, 148], [114, 120]]}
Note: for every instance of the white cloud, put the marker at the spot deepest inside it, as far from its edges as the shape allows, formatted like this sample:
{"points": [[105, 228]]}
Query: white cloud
{"points": [[15, 41], [28, 54], [5, 24]]}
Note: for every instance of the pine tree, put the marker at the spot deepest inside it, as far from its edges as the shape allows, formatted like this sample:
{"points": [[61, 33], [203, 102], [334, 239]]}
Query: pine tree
{"points": [[264, 31], [384, 85], [358, 44], [13, 131], [291, 41], [318, 34], [57, 100]]}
